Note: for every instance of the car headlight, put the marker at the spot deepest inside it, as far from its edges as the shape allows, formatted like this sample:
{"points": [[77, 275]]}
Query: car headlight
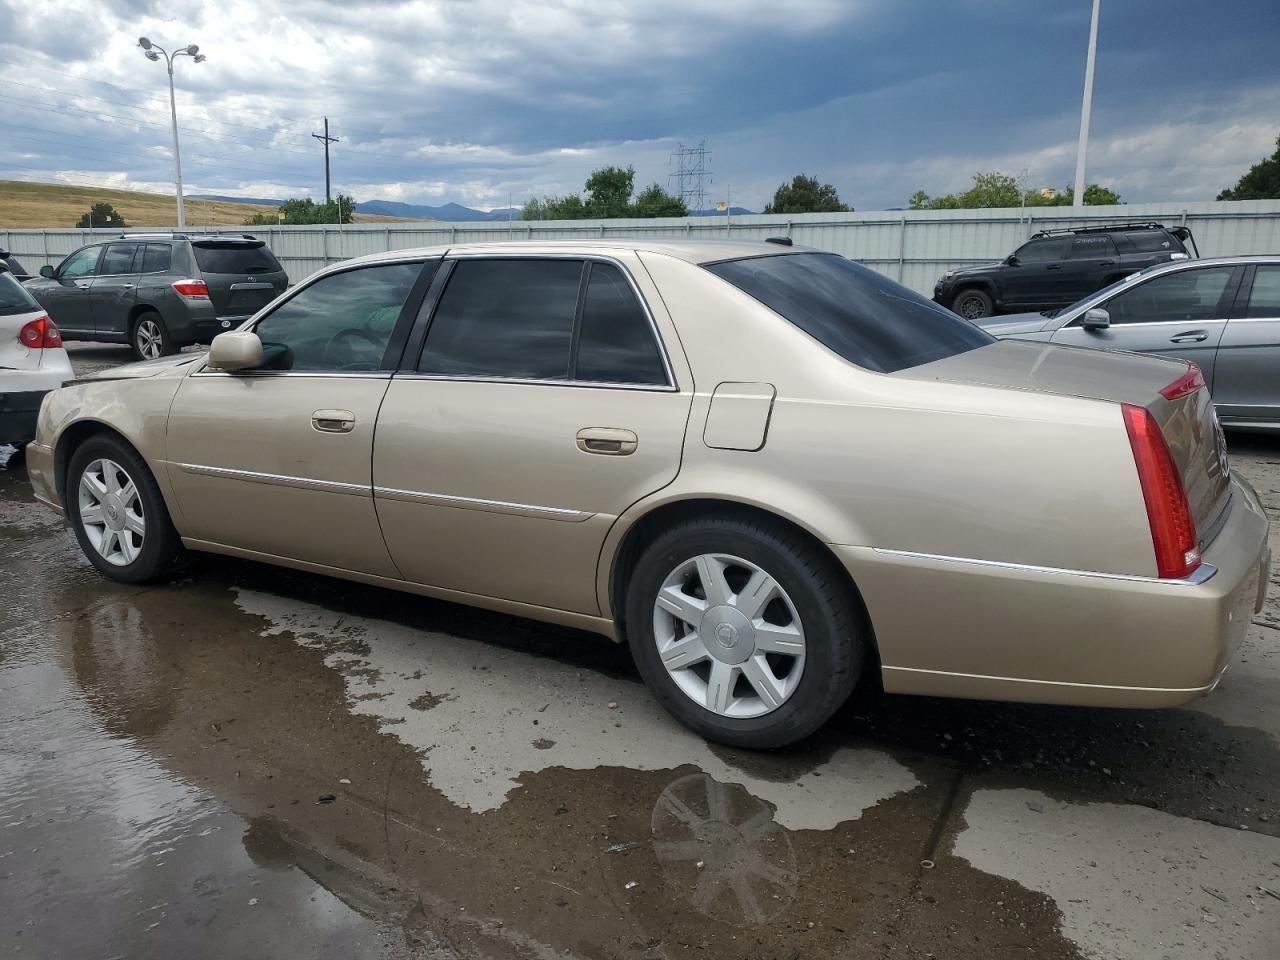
{"points": [[948, 275]]}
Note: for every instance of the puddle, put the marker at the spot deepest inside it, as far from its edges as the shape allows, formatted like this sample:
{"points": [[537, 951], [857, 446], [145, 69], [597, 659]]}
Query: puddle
{"points": [[497, 715]]}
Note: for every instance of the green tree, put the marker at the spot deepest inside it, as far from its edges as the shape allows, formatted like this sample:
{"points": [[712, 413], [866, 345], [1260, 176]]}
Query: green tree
{"points": [[608, 196], [995, 189], [101, 215], [653, 201], [306, 211], [1262, 182], [804, 194]]}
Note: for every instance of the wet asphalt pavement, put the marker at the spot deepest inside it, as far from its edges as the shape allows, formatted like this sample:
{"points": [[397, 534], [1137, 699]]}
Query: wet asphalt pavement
{"points": [[253, 762]]}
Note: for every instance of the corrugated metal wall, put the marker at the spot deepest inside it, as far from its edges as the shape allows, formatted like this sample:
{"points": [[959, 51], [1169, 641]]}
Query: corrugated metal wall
{"points": [[911, 246]]}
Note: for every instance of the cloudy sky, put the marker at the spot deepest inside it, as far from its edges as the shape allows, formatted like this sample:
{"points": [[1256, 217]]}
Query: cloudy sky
{"points": [[477, 100]]}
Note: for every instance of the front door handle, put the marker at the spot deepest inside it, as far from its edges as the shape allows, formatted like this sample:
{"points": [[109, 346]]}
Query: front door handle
{"points": [[1054, 266], [333, 421], [82, 286], [608, 441], [1191, 336]]}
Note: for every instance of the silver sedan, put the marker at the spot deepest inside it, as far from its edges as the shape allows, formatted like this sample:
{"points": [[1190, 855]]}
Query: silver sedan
{"points": [[1223, 314]]}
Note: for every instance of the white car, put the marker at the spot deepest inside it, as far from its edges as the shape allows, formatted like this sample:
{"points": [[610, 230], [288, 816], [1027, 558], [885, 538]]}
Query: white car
{"points": [[32, 360]]}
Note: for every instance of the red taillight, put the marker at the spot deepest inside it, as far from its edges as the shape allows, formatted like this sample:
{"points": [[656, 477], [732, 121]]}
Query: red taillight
{"points": [[1189, 382], [40, 334], [192, 289], [1173, 531]]}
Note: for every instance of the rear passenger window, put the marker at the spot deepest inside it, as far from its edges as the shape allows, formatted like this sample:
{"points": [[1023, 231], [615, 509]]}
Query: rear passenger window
{"points": [[616, 341], [1092, 248], [1264, 299], [118, 259], [505, 318], [156, 258]]}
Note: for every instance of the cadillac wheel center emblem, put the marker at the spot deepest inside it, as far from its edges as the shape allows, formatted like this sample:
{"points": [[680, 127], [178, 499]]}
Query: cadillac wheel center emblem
{"points": [[726, 636]]}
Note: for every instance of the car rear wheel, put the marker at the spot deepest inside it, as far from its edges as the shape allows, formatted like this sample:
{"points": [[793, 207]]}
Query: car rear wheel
{"points": [[745, 632], [150, 338], [973, 304], [118, 514]]}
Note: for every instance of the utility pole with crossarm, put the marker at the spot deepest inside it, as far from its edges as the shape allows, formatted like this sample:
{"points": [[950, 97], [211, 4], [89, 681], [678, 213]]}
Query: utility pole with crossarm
{"points": [[326, 140]]}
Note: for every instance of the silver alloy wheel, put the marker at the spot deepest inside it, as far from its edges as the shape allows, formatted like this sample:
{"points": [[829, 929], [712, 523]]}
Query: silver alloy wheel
{"points": [[149, 339], [111, 512], [729, 636]]}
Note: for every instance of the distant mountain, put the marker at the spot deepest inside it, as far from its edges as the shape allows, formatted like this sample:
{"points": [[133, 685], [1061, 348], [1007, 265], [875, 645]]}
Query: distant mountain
{"points": [[255, 200], [449, 212]]}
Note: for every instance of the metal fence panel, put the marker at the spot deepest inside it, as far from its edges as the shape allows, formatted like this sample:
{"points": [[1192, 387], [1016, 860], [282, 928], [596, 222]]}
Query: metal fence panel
{"points": [[912, 246]]}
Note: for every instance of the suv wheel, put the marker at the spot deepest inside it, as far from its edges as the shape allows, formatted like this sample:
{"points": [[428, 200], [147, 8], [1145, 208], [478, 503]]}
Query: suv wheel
{"points": [[149, 337], [973, 304], [118, 514], [743, 630]]}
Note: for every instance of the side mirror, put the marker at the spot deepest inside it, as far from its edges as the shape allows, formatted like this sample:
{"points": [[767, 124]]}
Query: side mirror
{"points": [[1011, 260], [1096, 318], [235, 351], [47, 272]]}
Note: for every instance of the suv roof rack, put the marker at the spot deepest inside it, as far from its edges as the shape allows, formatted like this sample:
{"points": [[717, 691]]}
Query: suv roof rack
{"points": [[144, 234], [1101, 228]]}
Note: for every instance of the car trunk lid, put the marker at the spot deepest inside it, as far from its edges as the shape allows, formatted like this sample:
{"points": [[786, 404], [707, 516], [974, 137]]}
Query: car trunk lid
{"points": [[242, 275], [1186, 418]]}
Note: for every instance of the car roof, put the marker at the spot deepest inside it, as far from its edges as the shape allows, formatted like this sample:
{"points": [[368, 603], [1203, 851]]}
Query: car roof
{"points": [[691, 251]]}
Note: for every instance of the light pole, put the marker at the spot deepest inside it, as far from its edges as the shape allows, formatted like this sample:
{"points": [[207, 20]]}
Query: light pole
{"points": [[1082, 145], [153, 52]]}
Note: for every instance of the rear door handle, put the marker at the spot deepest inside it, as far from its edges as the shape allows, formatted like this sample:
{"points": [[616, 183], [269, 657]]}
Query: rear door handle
{"points": [[1054, 266], [82, 286], [333, 421], [608, 441], [1191, 336]]}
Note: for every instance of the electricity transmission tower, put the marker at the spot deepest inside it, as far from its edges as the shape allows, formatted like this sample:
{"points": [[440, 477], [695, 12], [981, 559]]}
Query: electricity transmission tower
{"points": [[691, 174], [326, 140]]}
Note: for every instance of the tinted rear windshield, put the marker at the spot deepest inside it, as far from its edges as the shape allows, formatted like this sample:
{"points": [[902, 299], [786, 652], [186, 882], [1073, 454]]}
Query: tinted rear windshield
{"points": [[227, 257], [861, 315], [14, 298]]}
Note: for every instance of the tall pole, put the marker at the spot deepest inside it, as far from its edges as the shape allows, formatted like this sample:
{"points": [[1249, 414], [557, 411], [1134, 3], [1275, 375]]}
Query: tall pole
{"points": [[326, 140], [177, 157], [1082, 146]]}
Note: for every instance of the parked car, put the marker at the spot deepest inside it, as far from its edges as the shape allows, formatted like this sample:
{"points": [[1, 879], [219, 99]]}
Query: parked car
{"points": [[1222, 314], [159, 292], [766, 468], [1057, 267], [32, 359], [15, 268]]}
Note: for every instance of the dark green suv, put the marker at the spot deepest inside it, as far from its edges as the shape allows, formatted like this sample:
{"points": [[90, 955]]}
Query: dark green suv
{"points": [[159, 292]]}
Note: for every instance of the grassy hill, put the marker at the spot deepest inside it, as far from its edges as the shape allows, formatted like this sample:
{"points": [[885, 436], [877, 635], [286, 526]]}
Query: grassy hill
{"points": [[27, 205]]}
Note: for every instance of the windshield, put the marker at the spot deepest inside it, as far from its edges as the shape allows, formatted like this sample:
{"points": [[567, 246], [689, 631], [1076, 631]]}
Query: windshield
{"points": [[853, 311], [14, 298]]}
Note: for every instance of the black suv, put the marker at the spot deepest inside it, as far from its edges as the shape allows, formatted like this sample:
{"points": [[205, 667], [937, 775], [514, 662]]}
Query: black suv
{"points": [[1058, 267], [159, 292]]}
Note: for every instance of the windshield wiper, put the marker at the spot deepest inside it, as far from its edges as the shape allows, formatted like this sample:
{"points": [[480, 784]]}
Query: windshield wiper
{"points": [[1050, 313]]}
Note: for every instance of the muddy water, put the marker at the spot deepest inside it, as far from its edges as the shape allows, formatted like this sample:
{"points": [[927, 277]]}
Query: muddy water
{"points": [[253, 762]]}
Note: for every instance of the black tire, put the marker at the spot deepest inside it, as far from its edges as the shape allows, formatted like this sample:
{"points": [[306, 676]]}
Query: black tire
{"points": [[834, 647], [148, 329], [160, 552], [973, 304]]}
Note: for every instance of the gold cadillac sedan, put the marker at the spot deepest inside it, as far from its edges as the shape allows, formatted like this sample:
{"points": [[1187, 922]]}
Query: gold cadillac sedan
{"points": [[767, 469]]}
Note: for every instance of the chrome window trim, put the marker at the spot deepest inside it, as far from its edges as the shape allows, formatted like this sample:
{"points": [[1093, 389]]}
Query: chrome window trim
{"points": [[477, 503], [278, 479], [204, 371], [670, 386], [590, 384], [1198, 576]]}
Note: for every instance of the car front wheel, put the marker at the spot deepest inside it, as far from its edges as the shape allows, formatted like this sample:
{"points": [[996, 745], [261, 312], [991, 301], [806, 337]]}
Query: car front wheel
{"points": [[745, 631], [118, 513], [973, 304]]}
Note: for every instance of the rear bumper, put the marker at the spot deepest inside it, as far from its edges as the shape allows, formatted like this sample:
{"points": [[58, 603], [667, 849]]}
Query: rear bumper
{"points": [[1036, 634], [18, 413]]}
